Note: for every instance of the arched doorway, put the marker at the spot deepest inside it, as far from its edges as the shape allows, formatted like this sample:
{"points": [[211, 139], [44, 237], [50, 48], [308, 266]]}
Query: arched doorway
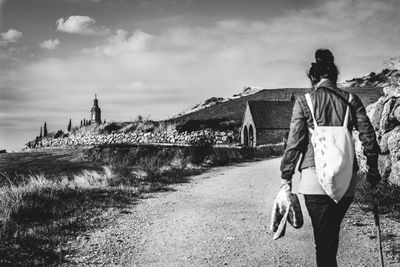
{"points": [[245, 137], [251, 136]]}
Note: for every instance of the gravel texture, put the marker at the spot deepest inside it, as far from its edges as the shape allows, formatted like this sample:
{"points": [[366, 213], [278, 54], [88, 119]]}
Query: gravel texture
{"points": [[221, 218]]}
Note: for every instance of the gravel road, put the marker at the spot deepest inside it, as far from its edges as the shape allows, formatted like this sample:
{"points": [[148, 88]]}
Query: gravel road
{"points": [[220, 218]]}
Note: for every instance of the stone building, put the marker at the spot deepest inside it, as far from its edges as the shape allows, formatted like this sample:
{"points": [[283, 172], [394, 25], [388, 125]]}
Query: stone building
{"points": [[95, 112], [266, 122]]}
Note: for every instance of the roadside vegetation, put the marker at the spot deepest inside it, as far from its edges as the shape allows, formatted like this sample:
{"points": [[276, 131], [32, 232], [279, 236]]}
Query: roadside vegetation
{"points": [[50, 197], [42, 209], [387, 193]]}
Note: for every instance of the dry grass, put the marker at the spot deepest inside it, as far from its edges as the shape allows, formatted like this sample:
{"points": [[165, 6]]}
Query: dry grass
{"points": [[39, 215], [388, 195], [40, 211]]}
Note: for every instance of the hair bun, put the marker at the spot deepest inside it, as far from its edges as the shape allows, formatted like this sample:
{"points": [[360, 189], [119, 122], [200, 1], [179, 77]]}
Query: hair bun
{"points": [[324, 56]]}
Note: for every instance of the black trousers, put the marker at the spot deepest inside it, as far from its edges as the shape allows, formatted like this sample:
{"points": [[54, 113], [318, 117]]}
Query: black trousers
{"points": [[326, 217]]}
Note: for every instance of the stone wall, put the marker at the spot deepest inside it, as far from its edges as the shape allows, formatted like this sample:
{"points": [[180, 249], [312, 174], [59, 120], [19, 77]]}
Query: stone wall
{"points": [[385, 117], [172, 137]]}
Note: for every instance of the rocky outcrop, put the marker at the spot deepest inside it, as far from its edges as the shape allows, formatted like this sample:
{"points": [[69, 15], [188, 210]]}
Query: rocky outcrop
{"points": [[139, 137], [385, 117], [381, 79]]}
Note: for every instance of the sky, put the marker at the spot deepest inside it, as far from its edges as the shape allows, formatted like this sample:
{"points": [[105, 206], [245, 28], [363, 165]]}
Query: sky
{"points": [[156, 58]]}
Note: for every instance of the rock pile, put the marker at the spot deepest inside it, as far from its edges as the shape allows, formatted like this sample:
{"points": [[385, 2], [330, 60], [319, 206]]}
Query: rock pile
{"points": [[385, 117], [137, 137]]}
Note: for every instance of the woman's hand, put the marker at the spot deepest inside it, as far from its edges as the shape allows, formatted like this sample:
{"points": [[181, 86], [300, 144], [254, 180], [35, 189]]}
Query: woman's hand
{"points": [[286, 184]]}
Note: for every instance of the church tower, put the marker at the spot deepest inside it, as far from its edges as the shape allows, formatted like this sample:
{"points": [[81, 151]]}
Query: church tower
{"points": [[95, 111]]}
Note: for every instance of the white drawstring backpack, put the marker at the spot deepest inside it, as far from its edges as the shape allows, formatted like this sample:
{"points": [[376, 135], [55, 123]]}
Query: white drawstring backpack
{"points": [[333, 154]]}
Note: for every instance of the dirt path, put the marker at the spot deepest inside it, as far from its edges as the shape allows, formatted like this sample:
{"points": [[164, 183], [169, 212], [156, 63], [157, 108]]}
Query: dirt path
{"points": [[221, 218]]}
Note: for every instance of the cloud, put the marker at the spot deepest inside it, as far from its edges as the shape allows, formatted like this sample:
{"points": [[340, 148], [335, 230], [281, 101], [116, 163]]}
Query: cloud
{"points": [[84, 25], [10, 36], [141, 72], [219, 59], [123, 43], [50, 44], [11, 53]]}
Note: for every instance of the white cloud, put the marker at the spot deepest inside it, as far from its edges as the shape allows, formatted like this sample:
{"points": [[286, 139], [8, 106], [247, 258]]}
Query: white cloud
{"points": [[10, 36], [137, 72], [123, 43], [50, 44], [79, 25], [218, 60]]}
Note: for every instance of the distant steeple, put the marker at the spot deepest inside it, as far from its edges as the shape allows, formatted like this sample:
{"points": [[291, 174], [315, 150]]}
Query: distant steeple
{"points": [[95, 111]]}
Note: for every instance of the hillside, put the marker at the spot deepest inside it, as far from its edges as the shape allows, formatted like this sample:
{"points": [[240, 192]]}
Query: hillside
{"points": [[217, 100], [233, 109], [230, 113], [217, 110]]}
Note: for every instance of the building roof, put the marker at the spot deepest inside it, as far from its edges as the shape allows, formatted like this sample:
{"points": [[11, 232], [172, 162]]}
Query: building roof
{"points": [[271, 114]]}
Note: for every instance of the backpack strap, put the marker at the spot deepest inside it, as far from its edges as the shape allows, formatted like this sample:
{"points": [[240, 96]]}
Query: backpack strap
{"points": [[346, 118], [311, 107]]}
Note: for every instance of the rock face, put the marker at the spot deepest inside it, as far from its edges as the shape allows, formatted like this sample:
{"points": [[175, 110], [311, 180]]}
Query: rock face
{"points": [[373, 79], [385, 117], [374, 112]]}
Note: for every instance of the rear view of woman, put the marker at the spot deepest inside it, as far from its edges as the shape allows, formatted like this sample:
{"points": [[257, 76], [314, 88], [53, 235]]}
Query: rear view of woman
{"points": [[329, 105]]}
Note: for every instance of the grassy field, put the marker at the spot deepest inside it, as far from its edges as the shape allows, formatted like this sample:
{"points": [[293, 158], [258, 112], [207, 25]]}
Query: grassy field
{"points": [[48, 197], [51, 163]]}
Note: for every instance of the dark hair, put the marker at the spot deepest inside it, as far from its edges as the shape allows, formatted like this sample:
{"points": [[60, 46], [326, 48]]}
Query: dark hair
{"points": [[323, 67]]}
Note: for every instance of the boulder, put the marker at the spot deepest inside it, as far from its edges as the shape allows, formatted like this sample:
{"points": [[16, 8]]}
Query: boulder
{"points": [[385, 166], [394, 176], [386, 122], [391, 91], [384, 143], [374, 112], [394, 144], [396, 112]]}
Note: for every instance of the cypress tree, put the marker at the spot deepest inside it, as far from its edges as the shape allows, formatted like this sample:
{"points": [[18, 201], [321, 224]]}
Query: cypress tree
{"points": [[45, 130], [40, 135], [69, 125]]}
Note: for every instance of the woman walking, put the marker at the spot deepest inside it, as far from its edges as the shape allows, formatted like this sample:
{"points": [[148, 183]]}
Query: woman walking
{"points": [[329, 105]]}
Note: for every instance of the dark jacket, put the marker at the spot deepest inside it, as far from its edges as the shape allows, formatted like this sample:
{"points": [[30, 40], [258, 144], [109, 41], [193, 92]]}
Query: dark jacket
{"points": [[329, 108]]}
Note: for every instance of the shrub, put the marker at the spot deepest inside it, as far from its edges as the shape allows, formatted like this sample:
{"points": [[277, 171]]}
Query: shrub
{"points": [[58, 134], [201, 147], [388, 195], [146, 126], [111, 127]]}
